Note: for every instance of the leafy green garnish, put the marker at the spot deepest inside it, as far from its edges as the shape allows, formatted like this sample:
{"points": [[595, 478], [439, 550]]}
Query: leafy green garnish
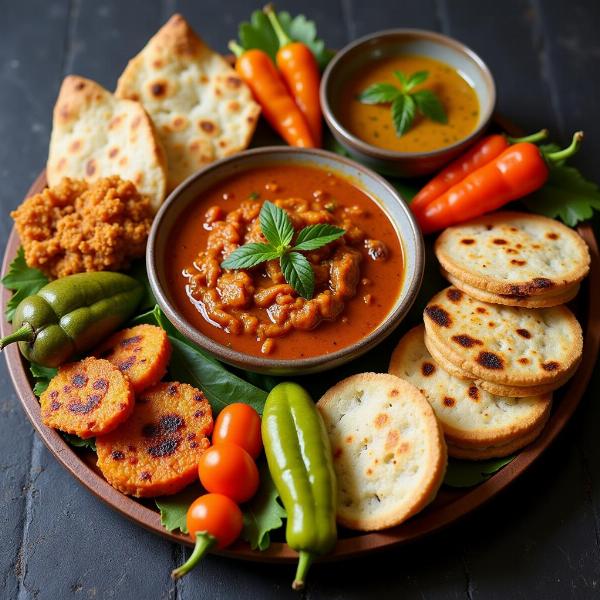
{"points": [[279, 231], [173, 509], [78, 442], [566, 195], [23, 281], [263, 513], [190, 364], [259, 33], [41, 376], [405, 103], [464, 473]]}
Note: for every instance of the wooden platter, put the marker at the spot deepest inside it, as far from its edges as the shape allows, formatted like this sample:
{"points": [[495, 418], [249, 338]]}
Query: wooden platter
{"points": [[450, 504]]}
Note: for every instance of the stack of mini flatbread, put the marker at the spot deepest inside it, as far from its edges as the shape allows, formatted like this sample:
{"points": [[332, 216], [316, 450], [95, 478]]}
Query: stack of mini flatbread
{"points": [[178, 106], [497, 343]]}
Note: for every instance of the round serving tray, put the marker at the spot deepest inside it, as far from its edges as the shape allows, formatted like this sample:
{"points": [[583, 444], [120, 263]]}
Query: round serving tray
{"points": [[450, 504]]}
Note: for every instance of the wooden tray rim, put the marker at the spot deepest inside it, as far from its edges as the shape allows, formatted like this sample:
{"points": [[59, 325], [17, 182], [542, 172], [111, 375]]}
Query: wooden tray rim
{"points": [[417, 527]]}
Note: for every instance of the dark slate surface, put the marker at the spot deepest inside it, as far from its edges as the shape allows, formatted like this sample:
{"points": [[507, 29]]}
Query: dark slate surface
{"points": [[540, 539]]}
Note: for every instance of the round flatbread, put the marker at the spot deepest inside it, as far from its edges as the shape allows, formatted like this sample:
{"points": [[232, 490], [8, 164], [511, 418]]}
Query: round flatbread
{"points": [[552, 298], [497, 451], [96, 135], [504, 344], [497, 389], [202, 110], [511, 253], [470, 417], [388, 449]]}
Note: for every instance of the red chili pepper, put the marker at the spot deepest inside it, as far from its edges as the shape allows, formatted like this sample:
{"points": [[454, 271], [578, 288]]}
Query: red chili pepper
{"points": [[300, 71], [483, 152], [518, 171]]}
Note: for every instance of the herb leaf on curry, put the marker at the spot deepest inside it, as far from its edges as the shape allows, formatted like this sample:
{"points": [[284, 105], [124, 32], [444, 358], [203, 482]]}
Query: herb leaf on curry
{"points": [[277, 227], [404, 102]]}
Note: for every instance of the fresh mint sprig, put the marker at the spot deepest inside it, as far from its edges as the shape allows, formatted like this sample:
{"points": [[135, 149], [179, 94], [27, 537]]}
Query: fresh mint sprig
{"points": [[279, 231], [404, 102]]}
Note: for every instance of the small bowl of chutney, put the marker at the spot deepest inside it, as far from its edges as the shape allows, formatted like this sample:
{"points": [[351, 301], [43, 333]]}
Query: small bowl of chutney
{"points": [[407, 101]]}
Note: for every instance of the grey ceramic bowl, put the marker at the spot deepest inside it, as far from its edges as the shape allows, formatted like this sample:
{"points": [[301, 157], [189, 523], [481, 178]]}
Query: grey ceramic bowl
{"points": [[157, 256], [395, 42]]}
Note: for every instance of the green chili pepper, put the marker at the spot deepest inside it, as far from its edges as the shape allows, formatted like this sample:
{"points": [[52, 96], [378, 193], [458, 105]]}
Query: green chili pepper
{"points": [[299, 458], [71, 315]]}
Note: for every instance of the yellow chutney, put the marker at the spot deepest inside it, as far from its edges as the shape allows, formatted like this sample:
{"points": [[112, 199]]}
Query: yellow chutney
{"points": [[373, 124]]}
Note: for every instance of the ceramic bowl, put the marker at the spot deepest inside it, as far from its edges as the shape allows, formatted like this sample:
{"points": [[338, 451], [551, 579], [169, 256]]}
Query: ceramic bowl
{"points": [[395, 42], [157, 256]]}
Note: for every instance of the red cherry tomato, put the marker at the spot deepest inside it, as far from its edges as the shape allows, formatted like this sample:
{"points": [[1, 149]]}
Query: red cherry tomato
{"points": [[228, 469], [239, 424], [216, 515]]}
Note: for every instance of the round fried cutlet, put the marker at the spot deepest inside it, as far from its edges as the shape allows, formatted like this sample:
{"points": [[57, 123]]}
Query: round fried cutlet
{"points": [[498, 389], [142, 353], [389, 453], [514, 253], [470, 417], [546, 300], [87, 398], [504, 344], [156, 451]]}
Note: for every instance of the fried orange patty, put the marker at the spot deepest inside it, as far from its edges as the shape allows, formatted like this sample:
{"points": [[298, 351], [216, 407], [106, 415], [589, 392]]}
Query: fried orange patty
{"points": [[87, 398], [156, 451], [141, 352]]}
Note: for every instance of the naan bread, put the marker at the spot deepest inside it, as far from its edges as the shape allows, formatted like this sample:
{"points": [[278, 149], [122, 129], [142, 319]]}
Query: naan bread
{"points": [[95, 135], [389, 453], [503, 344], [513, 253], [202, 110], [471, 418], [552, 298]]}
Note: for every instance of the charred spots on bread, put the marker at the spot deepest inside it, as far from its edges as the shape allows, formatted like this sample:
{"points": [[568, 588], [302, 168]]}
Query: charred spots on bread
{"points": [[466, 341], [552, 235], [380, 420], [467, 241], [438, 315], [518, 262], [500, 242], [524, 333], [83, 408], [550, 366], [473, 393], [490, 360], [449, 401], [427, 369], [523, 360], [526, 289], [454, 295], [159, 88], [79, 380], [117, 455]]}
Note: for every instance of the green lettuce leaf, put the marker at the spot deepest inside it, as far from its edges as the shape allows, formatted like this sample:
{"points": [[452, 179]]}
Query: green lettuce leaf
{"points": [[173, 509]]}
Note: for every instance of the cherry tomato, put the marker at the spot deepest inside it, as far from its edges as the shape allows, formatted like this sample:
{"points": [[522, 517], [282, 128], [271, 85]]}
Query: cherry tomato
{"points": [[239, 424], [228, 469], [216, 515]]}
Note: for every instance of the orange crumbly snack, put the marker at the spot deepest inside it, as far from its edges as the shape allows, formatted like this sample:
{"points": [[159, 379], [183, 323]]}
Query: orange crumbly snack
{"points": [[156, 451], [141, 352], [87, 398], [79, 226]]}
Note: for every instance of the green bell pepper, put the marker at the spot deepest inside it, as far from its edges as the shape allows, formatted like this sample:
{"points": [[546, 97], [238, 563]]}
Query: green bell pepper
{"points": [[72, 314], [299, 458]]}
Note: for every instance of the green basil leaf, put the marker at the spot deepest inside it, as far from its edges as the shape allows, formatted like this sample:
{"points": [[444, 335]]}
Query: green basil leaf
{"points": [[298, 273], [315, 236], [190, 365], [416, 79], [259, 34], [430, 106], [249, 255], [276, 225], [379, 93], [401, 77], [566, 195], [41, 376], [465, 473], [23, 281], [263, 513], [77, 442], [173, 509], [403, 113]]}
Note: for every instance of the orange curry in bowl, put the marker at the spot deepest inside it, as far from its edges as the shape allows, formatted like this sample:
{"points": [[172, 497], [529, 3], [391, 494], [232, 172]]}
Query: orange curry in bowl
{"points": [[255, 311]]}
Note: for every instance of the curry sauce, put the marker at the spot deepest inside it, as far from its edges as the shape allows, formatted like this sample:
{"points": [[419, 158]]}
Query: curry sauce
{"points": [[255, 311]]}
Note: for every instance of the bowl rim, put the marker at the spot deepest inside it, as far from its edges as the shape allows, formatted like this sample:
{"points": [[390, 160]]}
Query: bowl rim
{"points": [[385, 154], [289, 365]]}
